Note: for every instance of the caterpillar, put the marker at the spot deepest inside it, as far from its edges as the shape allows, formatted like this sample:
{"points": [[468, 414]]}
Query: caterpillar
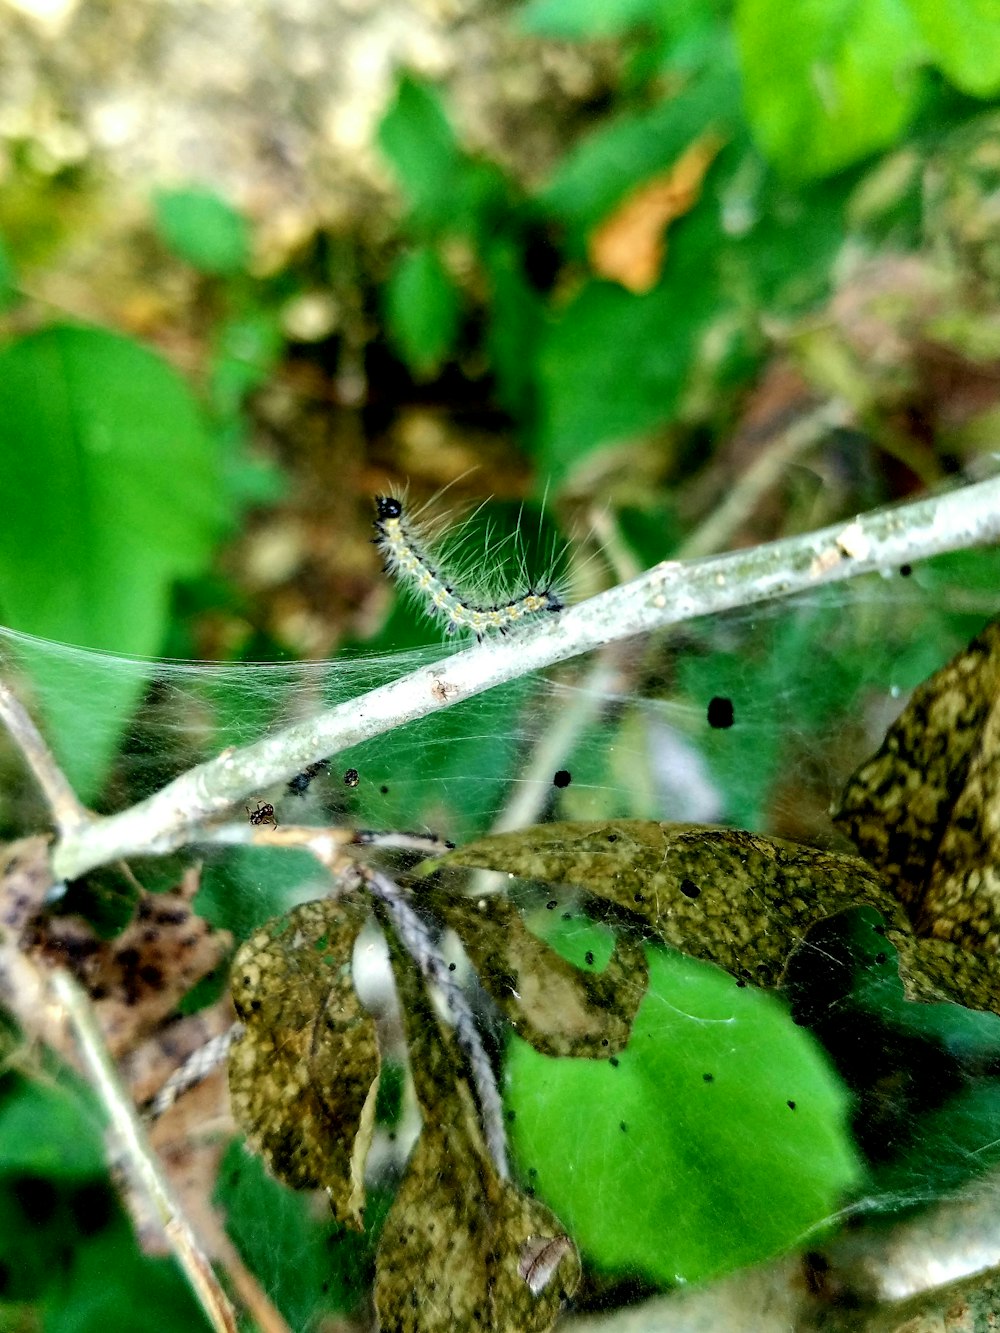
{"points": [[409, 560]]}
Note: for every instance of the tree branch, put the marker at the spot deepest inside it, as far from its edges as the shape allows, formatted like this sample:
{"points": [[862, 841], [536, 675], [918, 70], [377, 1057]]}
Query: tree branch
{"points": [[67, 812], [139, 1160], [667, 594]]}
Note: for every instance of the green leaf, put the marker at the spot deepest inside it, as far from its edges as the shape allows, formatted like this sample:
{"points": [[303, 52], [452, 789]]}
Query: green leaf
{"points": [[417, 138], [827, 82], [9, 294], [515, 326], [303, 1076], [112, 494], [422, 310], [964, 42], [593, 18], [305, 1262], [203, 229], [613, 365], [607, 164], [748, 1154], [49, 1129]]}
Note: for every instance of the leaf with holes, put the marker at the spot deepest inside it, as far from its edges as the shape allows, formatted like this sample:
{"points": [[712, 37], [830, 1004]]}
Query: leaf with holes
{"points": [[461, 1247], [728, 897], [560, 1009], [304, 1075]]}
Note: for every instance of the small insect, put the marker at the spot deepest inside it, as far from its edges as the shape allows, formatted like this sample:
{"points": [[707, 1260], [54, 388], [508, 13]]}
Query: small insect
{"points": [[264, 814], [299, 785]]}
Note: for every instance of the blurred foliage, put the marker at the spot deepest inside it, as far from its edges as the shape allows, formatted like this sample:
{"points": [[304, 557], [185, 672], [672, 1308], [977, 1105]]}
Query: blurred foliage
{"points": [[809, 191]]}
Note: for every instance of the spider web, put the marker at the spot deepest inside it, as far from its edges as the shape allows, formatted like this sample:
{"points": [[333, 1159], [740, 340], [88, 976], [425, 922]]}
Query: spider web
{"points": [[754, 720]]}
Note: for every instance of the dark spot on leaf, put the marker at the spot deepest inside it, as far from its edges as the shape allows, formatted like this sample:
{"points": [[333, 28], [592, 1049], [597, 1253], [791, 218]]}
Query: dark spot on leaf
{"points": [[623, 1127], [37, 1197], [689, 888], [589, 958], [906, 570], [881, 958], [708, 1078], [612, 837], [511, 1116], [352, 777], [791, 1106], [552, 904], [562, 778], [384, 790], [92, 1207], [567, 916], [613, 1062], [451, 967], [720, 712]]}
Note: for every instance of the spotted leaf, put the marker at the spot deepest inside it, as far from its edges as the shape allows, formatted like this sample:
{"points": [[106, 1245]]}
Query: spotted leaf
{"points": [[304, 1075]]}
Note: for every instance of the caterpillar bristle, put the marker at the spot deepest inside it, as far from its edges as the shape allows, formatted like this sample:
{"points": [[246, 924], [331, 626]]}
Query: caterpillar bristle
{"points": [[450, 597]]}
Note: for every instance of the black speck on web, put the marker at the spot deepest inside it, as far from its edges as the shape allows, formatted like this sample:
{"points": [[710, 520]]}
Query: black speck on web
{"points": [[562, 779], [720, 712]]}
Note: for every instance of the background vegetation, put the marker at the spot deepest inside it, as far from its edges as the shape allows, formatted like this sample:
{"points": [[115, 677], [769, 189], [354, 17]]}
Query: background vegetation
{"points": [[757, 260]]}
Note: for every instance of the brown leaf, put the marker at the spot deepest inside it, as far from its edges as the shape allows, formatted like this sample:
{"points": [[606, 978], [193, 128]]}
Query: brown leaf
{"points": [[629, 247], [461, 1249], [558, 1008], [304, 1075], [137, 979], [925, 810], [728, 897]]}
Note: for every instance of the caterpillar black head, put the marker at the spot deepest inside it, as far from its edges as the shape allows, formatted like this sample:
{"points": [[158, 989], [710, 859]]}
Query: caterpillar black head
{"points": [[387, 506]]}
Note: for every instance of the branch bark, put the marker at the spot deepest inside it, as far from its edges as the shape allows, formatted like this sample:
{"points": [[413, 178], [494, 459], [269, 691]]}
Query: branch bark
{"points": [[665, 595]]}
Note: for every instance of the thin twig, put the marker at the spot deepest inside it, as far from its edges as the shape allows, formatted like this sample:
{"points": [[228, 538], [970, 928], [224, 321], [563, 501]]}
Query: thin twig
{"points": [[139, 1159], [665, 595], [67, 812]]}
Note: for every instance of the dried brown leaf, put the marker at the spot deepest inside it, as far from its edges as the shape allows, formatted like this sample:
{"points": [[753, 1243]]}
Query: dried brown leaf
{"points": [[629, 247], [462, 1249], [558, 1008], [925, 810], [304, 1074], [137, 979]]}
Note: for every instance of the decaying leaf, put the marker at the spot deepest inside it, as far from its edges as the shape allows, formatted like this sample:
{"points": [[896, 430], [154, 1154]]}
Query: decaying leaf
{"points": [[462, 1249], [925, 810], [304, 1075], [629, 247], [728, 897], [558, 1008], [138, 978]]}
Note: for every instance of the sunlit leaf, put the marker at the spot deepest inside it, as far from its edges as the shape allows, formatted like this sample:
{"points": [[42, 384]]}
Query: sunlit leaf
{"points": [[962, 36], [304, 1075], [558, 1008], [827, 82], [462, 1248]]}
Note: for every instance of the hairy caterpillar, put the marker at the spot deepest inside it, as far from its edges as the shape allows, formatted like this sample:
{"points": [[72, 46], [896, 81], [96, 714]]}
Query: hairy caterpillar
{"points": [[409, 560]]}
